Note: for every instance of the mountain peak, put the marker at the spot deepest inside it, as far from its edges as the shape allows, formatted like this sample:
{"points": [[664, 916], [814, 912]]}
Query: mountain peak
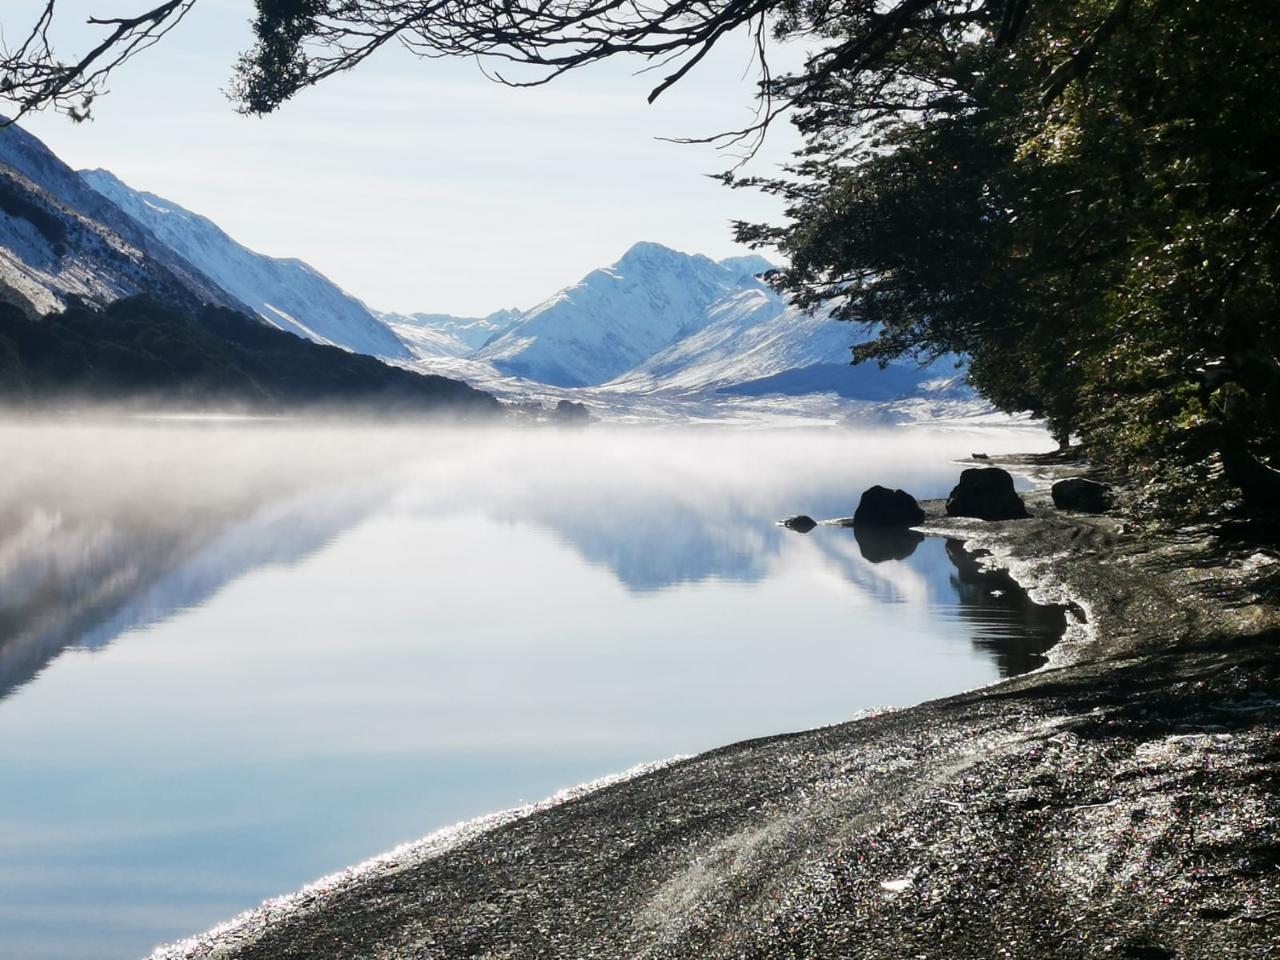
{"points": [[748, 265], [79, 242], [615, 317], [649, 253], [648, 248], [100, 173]]}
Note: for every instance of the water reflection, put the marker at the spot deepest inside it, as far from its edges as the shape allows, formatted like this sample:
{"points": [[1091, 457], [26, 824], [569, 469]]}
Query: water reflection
{"points": [[1013, 629], [309, 645], [97, 541], [878, 544], [85, 557]]}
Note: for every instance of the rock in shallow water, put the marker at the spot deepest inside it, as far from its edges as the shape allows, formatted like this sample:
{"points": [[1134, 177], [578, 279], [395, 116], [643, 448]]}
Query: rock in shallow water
{"points": [[1077, 493], [800, 523], [986, 493], [882, 507]]}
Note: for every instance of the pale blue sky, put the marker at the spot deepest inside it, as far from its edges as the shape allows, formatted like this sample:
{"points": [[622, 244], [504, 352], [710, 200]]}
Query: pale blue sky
{"points": [[421, 185]]}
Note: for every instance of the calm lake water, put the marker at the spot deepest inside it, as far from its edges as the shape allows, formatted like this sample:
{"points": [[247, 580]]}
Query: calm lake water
{"points": [[237, 656]]}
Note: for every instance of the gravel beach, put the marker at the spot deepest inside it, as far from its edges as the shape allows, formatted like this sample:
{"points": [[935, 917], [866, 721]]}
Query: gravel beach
{"points": [[1123, 801]]}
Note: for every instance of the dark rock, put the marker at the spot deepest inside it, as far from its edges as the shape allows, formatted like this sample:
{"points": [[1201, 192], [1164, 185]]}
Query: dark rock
{"points": [[1144, 950], [986, 493], [979, 456], [878, 544], [1077, 493], [800, 523], [882, 507]]}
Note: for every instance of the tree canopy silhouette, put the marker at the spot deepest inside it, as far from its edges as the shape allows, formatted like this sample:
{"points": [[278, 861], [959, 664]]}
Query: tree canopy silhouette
{"points": [[299, 43]]}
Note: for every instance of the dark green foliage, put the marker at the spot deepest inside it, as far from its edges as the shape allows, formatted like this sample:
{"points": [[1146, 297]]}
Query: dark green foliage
{"points": [[139, 350], [1091, 215], [16, 201]]}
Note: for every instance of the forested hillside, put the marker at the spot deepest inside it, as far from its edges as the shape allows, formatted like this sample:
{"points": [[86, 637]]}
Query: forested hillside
{"points": [[139, 351]]}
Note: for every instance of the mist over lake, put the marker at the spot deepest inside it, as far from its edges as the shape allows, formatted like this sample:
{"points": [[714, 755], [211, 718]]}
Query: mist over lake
{"points": [[237, 655]]}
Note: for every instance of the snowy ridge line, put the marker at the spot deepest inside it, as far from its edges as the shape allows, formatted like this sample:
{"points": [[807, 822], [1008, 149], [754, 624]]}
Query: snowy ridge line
{"points": [[286, 292], [248, 924]]}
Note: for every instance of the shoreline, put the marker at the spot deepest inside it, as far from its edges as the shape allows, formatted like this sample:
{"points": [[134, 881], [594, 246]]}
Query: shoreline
{"points": [[955, 828]]}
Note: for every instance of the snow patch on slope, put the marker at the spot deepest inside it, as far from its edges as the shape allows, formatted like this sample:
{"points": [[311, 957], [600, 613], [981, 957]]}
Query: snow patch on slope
{"points": [[614, 318], [287, 293], [444, 335], [59, 238]]}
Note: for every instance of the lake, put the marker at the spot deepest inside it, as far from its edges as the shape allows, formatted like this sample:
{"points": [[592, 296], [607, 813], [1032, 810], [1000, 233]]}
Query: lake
{"points": [[238, 655]]}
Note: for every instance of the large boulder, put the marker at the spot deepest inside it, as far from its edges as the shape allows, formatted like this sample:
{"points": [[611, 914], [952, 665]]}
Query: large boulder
{"points": [[986, 493], [1079, 493], [801, 523], [882, 507]]}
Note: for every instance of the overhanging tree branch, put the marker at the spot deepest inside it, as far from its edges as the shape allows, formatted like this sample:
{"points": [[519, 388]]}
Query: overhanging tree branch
{"points": [[299, 43], [33, 77]]}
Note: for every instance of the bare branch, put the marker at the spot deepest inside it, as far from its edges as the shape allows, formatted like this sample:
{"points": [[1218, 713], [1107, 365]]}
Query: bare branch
{"points": [[860, 66], [33, 77]]}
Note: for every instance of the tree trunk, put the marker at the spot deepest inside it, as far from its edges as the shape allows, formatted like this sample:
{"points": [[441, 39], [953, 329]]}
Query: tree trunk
{"points": [[1258, 483]]}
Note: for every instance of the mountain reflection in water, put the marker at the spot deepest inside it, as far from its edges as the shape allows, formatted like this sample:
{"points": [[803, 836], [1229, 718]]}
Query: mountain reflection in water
{"points": [[236, 656], [135, 532]]}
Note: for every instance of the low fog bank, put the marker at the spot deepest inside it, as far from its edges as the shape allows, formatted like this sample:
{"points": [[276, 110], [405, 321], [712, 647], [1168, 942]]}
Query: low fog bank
{"points": [[110, 522]]}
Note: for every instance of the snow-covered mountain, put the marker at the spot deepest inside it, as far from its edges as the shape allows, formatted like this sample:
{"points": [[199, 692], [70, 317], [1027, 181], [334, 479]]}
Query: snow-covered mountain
{"points": [[755, 345], [617, 317], [59, 238], [444, 335], [656, 323], [661, 322], [287, 293]]}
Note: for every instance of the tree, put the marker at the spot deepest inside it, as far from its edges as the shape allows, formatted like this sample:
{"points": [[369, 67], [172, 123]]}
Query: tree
{"points": [[299, 43], [1105, 250]]}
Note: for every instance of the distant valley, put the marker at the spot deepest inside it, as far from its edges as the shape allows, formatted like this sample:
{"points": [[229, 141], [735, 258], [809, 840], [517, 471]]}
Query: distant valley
{"points": [[97, 305], [656, 326]]}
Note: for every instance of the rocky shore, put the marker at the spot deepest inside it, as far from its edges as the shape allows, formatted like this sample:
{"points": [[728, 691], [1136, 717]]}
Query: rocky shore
{"points": [[1123, 801]]}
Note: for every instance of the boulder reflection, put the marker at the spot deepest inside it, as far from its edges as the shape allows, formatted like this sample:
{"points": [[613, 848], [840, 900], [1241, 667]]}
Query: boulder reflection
{"points": [[878, 544], [1008, 624]]}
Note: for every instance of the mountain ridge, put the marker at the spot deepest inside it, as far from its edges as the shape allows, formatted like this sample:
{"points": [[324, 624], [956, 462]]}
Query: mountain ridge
{"points": [[655, 321], [95, 307], [60, 239], [614, 318], [286, 292]]}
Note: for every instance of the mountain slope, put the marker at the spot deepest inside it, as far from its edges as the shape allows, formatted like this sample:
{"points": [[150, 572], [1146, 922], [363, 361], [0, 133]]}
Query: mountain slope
{"points": [[60, 239], [615, 318], [754, 344], [94, 307], [444, 335], [287, 293], [471, 333], [661, 322]]}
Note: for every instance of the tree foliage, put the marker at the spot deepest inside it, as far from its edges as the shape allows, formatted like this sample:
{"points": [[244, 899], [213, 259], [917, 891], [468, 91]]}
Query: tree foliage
{"points": [[1098, 231]]}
